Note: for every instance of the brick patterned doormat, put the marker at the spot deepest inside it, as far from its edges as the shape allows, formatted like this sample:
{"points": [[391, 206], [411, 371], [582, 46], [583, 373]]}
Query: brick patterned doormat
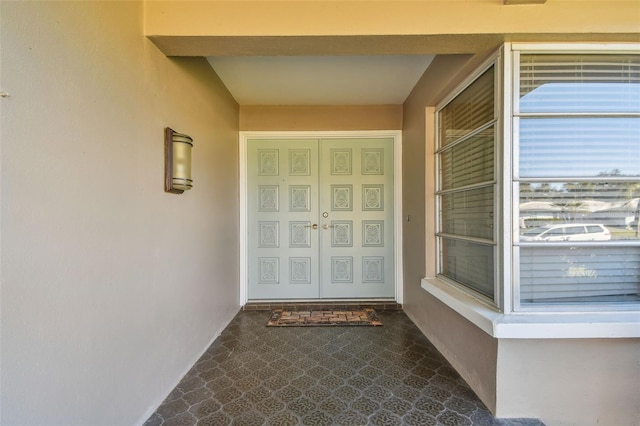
{"points": [[284, 318]]}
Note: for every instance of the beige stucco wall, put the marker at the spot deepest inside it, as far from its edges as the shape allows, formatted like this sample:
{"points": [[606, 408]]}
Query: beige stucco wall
{"points": [[578, 382], [470, 350], [110, 287], [229, 17], [320, 118], [299, 27]]}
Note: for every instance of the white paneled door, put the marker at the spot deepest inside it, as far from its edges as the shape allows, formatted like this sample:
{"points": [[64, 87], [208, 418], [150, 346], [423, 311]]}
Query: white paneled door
{"points": [[320, 218]]}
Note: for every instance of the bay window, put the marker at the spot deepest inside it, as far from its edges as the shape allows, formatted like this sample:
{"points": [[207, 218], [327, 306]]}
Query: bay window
{"points": [[546, 216]]}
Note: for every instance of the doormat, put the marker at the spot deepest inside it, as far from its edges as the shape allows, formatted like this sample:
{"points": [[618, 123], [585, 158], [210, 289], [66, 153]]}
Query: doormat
{"points": [[284, 318]]}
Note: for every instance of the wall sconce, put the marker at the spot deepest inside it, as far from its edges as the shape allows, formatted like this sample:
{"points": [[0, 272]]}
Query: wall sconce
{"points": [[177, 161]]}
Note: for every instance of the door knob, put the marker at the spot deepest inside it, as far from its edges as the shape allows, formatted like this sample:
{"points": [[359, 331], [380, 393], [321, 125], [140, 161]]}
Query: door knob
{"points": [[314, 226], [325, 226]]}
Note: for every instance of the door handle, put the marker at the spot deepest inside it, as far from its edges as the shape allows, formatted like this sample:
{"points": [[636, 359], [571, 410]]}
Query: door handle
{"points": [[325, 226], [314, 226]]}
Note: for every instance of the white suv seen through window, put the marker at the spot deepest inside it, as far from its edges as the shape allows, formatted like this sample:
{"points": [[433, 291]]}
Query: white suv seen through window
{"points": [[568, 232]]}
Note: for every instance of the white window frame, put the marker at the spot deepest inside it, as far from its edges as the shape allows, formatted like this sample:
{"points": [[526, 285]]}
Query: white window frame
{"points": [[505, 319], [498, 293], [513, 74]]}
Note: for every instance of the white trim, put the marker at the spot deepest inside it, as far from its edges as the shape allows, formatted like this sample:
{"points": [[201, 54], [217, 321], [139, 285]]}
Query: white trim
{"points": [[494, 61], [436, 188], [547, 325], [244, 251], [431, 162], [397, 179], [576, 47], [513, 75], [398, 218], [505, 221], [578, 114]]}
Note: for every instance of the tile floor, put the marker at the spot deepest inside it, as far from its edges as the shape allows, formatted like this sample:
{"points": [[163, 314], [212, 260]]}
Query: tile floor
{"points": [[258, 375]]}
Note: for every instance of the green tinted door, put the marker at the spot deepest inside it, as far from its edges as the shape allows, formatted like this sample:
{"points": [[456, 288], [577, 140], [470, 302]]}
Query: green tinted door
{"points": [[356, 218], [320, 218]]}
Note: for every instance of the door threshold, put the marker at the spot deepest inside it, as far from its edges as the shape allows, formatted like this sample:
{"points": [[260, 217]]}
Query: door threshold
{"points": [[297, 305]]}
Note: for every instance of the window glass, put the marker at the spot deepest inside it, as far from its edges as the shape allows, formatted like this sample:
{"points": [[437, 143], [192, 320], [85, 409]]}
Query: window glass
{"points": [[470, 264], [469, 162], [579, 147], [466, 186], [468, 213], [611, 207], [579, 275], [579, 179], [573, 230], [579, 83], [470, 110]]}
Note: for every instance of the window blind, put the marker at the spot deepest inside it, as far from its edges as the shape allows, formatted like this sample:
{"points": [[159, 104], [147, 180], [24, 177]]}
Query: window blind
{"points": [[468, 213], [579, 118], [469, 110], [579, 83], [579, 147], [579, 274], [470, 264], [466, 190], [469, 162]]}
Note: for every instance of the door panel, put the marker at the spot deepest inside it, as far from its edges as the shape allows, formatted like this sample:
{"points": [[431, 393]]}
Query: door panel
{"points": [[320, 218], [356, 220], [282, 192]]}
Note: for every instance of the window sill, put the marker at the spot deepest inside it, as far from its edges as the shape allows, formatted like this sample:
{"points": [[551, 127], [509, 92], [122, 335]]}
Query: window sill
{"points": [[547, 325]]}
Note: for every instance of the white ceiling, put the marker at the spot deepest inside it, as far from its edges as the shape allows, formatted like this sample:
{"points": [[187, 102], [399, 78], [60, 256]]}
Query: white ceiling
{"points": [[320, 80]]}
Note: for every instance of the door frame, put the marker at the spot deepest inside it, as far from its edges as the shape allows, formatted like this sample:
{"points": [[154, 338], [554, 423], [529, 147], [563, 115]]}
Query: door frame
{"points": [[396, 135]]}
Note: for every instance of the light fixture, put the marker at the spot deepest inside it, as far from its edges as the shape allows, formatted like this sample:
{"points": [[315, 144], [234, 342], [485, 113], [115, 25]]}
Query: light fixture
{"points": [[177, 161]]}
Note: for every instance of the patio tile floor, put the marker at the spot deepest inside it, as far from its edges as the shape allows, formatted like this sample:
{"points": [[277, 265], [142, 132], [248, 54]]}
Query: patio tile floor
{"points": [[258, 375]]}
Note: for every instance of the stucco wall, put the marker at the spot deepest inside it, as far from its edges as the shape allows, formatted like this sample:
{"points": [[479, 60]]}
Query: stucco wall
{"points": [[578, 382], [470, 350], [110, 287], [347, 27], [304, 17], [319, 118]]}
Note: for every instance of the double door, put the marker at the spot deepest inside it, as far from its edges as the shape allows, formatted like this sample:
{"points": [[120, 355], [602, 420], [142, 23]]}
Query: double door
{"points": [[320, 218]]}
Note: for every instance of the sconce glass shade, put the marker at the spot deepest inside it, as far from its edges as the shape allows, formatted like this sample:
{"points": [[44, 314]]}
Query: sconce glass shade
{"points": [[177, 161]]}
